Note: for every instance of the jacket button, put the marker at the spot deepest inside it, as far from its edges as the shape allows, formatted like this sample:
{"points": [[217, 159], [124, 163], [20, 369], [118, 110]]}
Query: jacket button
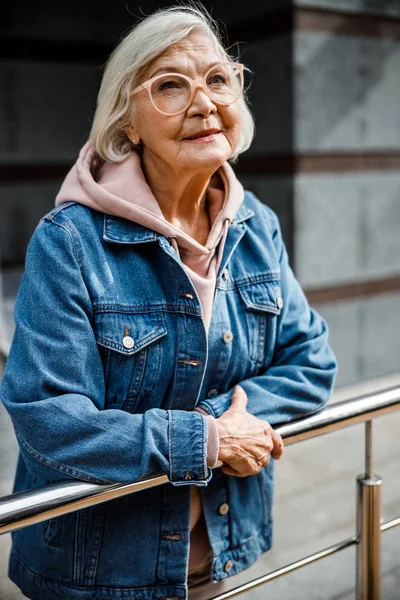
{"points": [[225, 274], [128, 342], [228, 565], [212, 393], [228, 336], [279, 302], [224, 508]]}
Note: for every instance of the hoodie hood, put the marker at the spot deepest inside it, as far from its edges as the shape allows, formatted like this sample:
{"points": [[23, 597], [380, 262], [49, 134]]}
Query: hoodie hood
{"points": [[121, 189]]}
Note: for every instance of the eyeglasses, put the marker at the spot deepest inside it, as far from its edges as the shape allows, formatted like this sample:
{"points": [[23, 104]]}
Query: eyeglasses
{"points": [[172, 93]]}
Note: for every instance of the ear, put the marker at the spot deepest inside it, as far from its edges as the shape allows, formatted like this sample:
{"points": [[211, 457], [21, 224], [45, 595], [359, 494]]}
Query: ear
{"points": [[132, 135]]}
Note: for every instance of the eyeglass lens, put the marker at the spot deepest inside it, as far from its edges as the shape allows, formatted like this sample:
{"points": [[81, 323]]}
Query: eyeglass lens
{"points": [[171, 93]]}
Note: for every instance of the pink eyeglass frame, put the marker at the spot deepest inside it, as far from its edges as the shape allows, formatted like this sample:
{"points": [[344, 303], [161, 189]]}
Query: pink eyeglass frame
{"points": [[194, 83]]}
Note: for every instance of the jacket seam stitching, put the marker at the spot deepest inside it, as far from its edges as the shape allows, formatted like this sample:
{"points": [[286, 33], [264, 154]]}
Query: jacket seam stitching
{"points": [[170, 307], [60, 468], [70, 235], [54, 212], [96, 588], [171, 457], [204, 440], [150, 337], [77, 255], [211, 410]]}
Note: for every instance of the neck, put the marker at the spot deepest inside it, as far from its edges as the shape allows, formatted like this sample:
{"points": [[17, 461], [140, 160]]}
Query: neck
{"points": [[181, 195]]}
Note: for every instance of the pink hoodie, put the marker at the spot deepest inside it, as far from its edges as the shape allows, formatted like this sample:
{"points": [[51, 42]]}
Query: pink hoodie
{"points": [[121, 189]]}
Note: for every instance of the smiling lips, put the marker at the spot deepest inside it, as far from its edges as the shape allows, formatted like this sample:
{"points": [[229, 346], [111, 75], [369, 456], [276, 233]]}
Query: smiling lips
{"points": [[203, 134]]}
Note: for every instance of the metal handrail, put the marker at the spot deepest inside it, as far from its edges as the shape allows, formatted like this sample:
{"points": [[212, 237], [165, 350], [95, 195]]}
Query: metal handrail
{"points": [[33, 506], [49, 501]]}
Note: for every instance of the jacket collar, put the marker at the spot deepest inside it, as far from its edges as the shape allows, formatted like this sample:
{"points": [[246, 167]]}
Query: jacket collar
{"points": [[123, 231]]}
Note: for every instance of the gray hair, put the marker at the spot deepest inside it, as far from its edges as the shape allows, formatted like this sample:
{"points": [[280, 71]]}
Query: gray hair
{"points": [[138, 48]]}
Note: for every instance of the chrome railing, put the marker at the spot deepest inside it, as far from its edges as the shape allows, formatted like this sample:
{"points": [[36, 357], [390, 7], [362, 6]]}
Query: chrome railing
{"points": [[33, 506]]}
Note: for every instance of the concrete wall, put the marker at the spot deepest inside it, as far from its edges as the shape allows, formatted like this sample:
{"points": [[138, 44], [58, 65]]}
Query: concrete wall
{"points": [[347, 223], [317, 91], [376, 7], [47, 111], [365, 336], [347, 227], [345, 90]]}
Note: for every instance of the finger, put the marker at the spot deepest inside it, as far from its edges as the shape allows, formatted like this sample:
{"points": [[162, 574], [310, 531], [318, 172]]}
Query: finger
{"points": [[267, 440], [243, 466], [230, 471], [239, 398], [263, 461], [278, 445]]}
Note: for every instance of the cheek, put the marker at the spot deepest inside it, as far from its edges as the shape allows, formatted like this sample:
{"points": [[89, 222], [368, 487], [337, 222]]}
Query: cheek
{"points": [[160, 128], [232, 121], [238, 122]]}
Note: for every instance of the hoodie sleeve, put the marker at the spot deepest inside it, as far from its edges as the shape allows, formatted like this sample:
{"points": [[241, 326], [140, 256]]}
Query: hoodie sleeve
{"points": [[53, 385], [213, 439]]}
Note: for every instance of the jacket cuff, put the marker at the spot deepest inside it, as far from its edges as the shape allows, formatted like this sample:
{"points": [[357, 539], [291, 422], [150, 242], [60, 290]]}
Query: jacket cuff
{"points": [[201, 410], [188, 461], [217, 405]]}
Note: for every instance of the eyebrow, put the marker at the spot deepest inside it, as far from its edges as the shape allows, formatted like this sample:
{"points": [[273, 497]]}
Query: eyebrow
{"points": [[174, 69]]}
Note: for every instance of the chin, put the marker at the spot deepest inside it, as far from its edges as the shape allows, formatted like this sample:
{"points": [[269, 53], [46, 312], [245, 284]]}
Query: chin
{"points": [[209, 159]]}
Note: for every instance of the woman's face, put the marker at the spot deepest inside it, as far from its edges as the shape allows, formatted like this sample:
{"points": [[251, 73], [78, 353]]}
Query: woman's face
{"points": [[163, 136]]}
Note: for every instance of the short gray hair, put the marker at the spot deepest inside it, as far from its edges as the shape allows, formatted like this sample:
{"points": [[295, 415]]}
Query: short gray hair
{"points": [[138, 48]]}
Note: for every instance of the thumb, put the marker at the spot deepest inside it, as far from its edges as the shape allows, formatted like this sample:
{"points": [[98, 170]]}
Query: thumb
{"points": [[239, 398]]}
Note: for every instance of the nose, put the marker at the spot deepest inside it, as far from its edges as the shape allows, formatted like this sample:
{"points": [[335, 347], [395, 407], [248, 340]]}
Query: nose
{"points": [[201, 103]]}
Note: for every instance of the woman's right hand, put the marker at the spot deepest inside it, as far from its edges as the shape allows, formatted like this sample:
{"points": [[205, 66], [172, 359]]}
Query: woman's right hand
{"points": [[246, 442]]}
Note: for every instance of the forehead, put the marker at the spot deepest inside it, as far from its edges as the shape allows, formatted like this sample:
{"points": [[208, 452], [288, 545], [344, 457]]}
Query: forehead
{"points": [[192, 54]]}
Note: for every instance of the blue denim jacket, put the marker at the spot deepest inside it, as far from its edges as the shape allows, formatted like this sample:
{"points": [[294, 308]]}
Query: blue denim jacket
{"points": [[88, 404]]}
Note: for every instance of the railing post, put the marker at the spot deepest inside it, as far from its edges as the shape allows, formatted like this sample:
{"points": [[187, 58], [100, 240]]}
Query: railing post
{"points": [[368, 527]]}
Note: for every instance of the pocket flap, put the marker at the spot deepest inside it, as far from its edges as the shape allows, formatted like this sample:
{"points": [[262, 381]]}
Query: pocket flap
{"points": [[262, 295], [138, 329]]}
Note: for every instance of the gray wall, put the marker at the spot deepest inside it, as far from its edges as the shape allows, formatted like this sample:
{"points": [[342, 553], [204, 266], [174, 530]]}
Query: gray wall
{"points": [[377, 7], [347, 223], [317, 91]]}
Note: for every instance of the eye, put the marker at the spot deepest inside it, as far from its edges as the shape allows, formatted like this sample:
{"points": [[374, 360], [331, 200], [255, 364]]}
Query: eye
{"points": [[218, 78], [167, 85]]}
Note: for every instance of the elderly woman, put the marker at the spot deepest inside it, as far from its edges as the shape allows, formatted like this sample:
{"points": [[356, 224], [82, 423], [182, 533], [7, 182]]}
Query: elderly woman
{"points": [[159, 329]]}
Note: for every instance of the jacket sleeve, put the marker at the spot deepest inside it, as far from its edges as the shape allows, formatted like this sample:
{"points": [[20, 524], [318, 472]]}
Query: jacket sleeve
{"points": [[53, 385], [300, 378]]}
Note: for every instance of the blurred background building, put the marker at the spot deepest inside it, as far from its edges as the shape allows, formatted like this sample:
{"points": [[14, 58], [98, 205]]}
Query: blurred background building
{"points": [[325, 95], [326, 157]]}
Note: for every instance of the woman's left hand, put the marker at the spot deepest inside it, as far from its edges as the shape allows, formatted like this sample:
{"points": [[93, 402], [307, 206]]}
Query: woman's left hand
{"points": [[246, 442]]}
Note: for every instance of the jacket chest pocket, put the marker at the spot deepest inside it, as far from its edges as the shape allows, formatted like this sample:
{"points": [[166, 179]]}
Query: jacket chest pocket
{"points": [[262, 302], [130, 348]]}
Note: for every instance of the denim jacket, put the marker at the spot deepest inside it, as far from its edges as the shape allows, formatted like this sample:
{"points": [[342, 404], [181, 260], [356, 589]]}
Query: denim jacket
{"points": [[109, 359]]}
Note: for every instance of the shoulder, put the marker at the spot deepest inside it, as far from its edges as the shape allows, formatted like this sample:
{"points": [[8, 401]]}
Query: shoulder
{"points": [[78, 220], [70, 214], [63, 229]]}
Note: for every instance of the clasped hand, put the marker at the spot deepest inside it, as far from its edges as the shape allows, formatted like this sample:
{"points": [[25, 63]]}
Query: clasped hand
{"points": [[246, 442]]}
